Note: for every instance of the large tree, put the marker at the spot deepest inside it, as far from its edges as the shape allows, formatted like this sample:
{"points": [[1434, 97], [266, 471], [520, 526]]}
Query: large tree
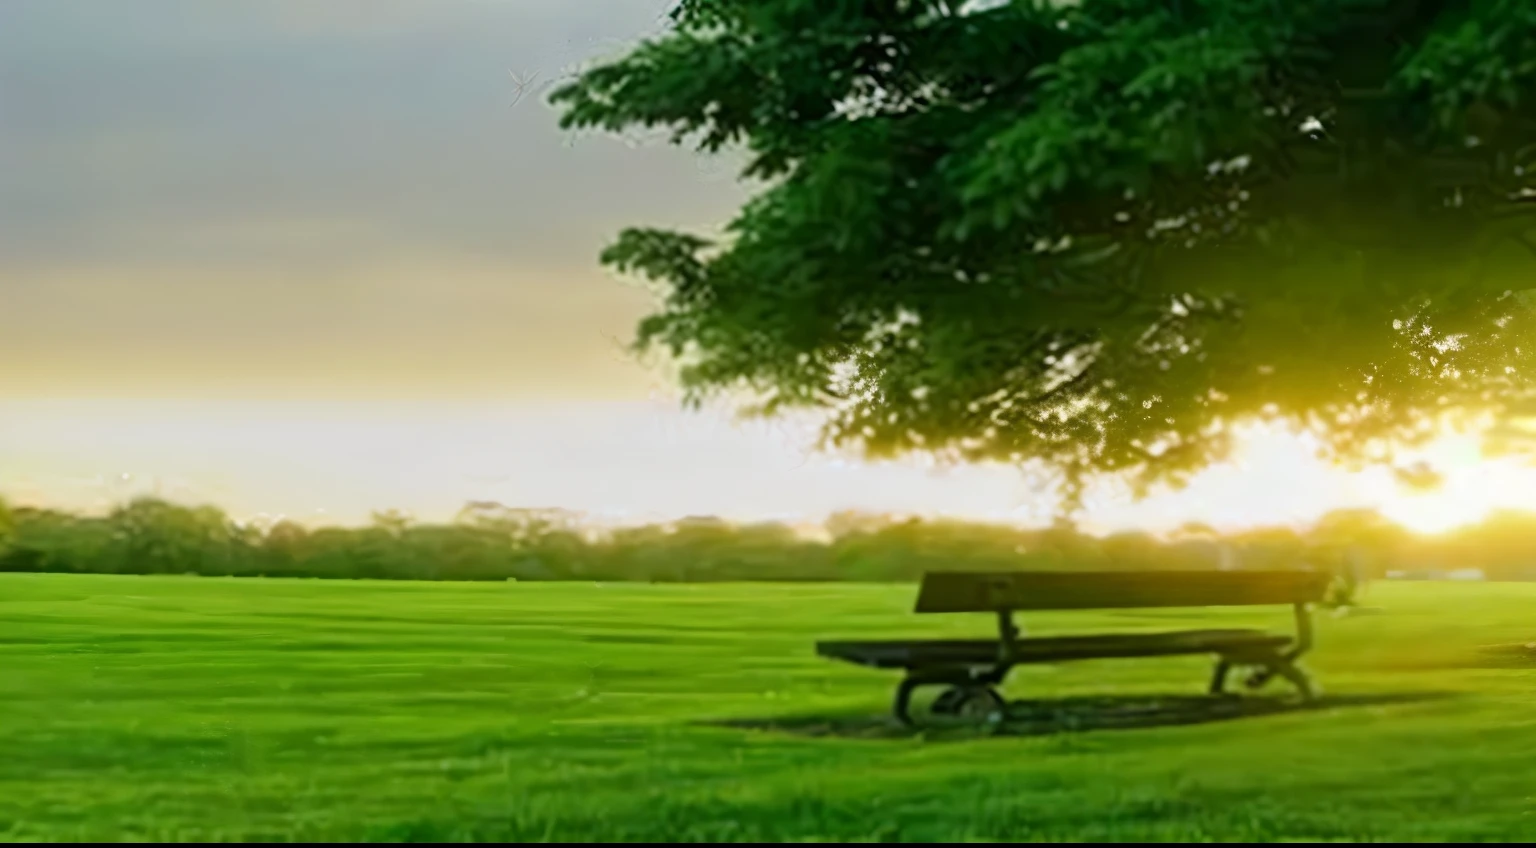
{"points": [[1096, 233]]}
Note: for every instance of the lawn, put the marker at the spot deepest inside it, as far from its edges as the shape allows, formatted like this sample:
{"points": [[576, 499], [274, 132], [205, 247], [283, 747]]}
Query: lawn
{"points": [[142, 708]]}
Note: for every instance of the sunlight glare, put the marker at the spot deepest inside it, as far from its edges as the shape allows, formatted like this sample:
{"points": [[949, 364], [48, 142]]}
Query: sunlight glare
{"points": [[1473, 485], [652, 461]]}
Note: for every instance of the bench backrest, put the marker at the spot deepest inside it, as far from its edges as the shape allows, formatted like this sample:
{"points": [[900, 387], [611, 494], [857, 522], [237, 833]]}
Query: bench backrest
{"points": [[963, 591]]}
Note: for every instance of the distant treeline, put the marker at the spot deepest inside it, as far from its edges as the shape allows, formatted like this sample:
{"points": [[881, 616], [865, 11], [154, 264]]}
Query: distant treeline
{"points": [[490, 542]]}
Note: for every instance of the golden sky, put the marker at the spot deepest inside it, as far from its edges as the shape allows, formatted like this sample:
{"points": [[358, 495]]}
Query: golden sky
{"points": [[291, 256]]}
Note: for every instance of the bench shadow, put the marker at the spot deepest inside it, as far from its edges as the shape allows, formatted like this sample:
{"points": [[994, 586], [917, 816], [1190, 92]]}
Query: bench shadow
{"points": [[1048, 717]]}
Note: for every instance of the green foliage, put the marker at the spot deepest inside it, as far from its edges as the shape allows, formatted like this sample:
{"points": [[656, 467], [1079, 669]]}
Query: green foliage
{"points": [[488, 542], [1096, 233], [7, 526]]}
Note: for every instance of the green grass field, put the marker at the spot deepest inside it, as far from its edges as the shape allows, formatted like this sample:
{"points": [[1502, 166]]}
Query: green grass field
{"points": [[219, 709]]}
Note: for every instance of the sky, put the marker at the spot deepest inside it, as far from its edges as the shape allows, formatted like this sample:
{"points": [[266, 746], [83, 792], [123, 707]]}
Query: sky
{"points": [[324, 257]]}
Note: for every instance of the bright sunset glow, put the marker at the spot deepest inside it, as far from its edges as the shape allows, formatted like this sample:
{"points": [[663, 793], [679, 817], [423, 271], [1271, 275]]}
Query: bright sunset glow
{"points": [[641, 462]]}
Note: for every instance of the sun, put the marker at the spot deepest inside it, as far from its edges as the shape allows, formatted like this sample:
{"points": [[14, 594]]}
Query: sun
{"points": [[1276, 478], [1471, 485]]}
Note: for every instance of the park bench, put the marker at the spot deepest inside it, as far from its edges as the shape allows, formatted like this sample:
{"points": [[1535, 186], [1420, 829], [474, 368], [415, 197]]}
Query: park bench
{"points": [[973, 668]]}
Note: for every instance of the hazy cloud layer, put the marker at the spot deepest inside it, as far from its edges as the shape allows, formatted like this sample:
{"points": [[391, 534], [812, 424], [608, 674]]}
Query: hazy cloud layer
{"points": [[189, 189]]}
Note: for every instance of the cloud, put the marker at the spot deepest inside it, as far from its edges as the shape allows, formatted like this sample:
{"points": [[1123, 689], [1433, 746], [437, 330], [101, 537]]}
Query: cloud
{"points": [[429, 330], [120, 154], [200, 197]]}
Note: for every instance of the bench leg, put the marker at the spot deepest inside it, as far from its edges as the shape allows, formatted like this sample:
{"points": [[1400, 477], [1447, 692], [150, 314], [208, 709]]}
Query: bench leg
{"points": [[1219, 676], [964, 679], [1283, 666], [1298, 678], [903, 703]]}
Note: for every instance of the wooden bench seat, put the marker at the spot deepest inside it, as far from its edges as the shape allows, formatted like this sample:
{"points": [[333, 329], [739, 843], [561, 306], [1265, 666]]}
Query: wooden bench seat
{"points": [[971, 668], [919, 654]]}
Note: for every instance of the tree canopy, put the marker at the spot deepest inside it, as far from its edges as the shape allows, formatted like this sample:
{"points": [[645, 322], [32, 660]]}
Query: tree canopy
{"points": [[1096, 233]]}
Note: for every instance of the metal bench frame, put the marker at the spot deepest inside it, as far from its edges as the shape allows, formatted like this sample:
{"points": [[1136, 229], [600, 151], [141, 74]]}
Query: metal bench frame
{"points": [[1005, 594]]}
